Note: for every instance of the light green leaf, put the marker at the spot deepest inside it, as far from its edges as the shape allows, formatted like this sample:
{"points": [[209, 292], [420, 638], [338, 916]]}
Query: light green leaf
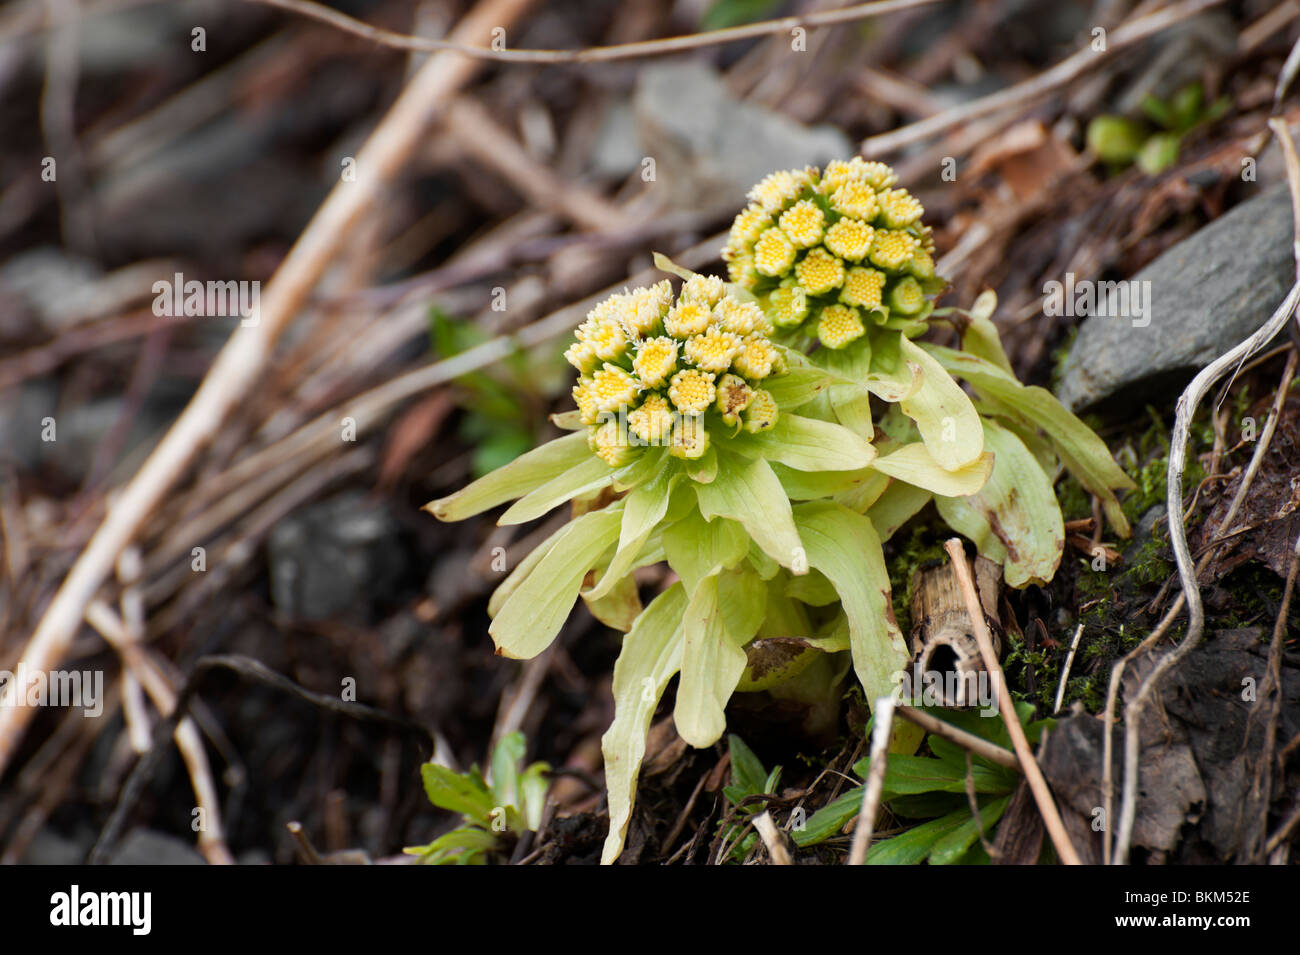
{"points": [[948, 422], [851, 402], [797, 387], [812, 485], [519, 477], [583, 478], [619, 606], [892, 377], [456, 792], [651, 655], [916, 465], [742, 602], [711, 667], [1017, 508], [980, 336], [665, 264], [568, 420], [898, 505], [643, 509], [862, 497], [695, 547], [807, 444], [748, 492], [843, 545], [463, 846], [506, 756], [1081, 451], [813, 589], [532, 788], [521, 572], [531, 616]]}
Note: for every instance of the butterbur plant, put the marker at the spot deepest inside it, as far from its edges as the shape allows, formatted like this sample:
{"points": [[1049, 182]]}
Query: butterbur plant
{"points": [[763, 438], [509, 805], [684, 410]]}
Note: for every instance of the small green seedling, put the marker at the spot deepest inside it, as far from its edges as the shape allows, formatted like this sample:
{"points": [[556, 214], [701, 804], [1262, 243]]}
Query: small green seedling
{"points": [[934, 788], [748, 779], [495, 813], [1120, 141]]}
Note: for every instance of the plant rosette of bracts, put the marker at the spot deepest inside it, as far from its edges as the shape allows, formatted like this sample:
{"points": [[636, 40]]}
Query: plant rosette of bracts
{"points": [[700, 441]]}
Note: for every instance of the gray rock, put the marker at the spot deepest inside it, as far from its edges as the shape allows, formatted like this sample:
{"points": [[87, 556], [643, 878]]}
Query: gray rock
{"points": [[616, 150], [710, 147], [334, 559], [1206, 294], [50, 848], [147, 847]]}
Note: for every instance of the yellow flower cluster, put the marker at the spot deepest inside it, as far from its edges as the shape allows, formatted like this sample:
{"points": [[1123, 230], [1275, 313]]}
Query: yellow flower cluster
{"points": [[831, 248], [654, 370]]}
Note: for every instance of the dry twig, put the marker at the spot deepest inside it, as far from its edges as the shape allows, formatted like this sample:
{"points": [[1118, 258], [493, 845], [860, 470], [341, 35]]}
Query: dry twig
{"points": [[1028, 765]]}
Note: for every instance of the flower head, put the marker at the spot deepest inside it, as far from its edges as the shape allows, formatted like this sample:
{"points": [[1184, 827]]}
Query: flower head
{"points": [[811, 240], [653, 421], [839, 325], [687, 318], [692, 391], [734, 396], [773, 253], [802, 223], [656, 359], [612, 388], [707, 354], [862, 287]]}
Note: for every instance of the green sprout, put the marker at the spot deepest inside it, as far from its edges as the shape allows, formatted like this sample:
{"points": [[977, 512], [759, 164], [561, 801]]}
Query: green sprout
{"points": [[510, 805], [748, 779], [1153, 145]]}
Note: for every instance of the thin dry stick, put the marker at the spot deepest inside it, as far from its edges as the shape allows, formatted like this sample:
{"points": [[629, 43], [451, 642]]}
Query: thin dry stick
{"points": [[1028, 765], [479, 134], [212, 842], [1069, 660], [1187, 404], [771, 838], [881, 731], [1059, 75], [595, 54], [240, 362], [1274, 687], [968, 741]]}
